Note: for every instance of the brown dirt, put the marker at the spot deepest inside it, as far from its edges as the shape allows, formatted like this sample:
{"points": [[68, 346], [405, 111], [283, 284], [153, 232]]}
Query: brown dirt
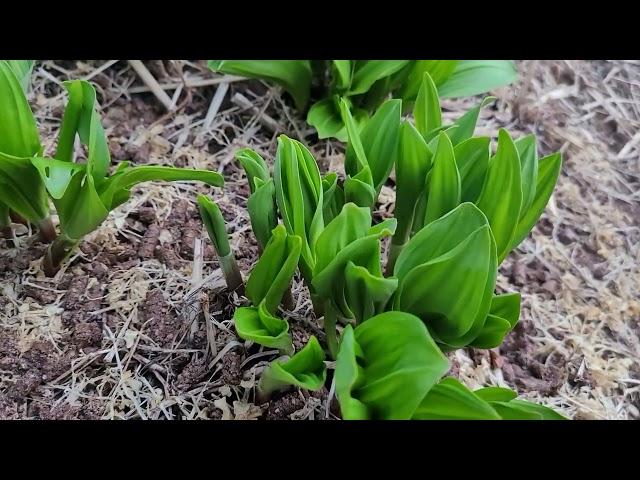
{"points": [[111, 336]]}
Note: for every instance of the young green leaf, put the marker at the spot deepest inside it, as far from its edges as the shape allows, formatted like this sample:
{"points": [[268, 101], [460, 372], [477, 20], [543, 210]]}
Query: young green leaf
{"points": [[367, 72], [293, 75], [426, 110], [444, 182], [214, 223], [528, 154], [446, 275], [472, 159], [342, 74], [473, 77], [503, 317], [262, 201], [22, 70], [21, 189], [376, 144], [326, 118], [333, 196], [254, 167], [81, 117], [412, 165], [466, 124], [82, 193], [439, 70], [271, 276], [350, 243], [305, 369], [258, 325], [451, 400], [501, 196], [548, 173], [299, 195], [385, 367]]}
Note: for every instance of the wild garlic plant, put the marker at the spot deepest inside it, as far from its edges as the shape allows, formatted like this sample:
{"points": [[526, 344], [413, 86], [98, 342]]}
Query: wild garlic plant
{"points": [[459, 210], [83, 193], [364, 84]]}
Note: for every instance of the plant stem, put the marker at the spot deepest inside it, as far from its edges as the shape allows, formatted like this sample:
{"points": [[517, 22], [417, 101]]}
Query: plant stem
{"points": [[47, 230], [394, 251], [287, 300], [232, 274], [5, 223], [330, 320], [56, 254]]}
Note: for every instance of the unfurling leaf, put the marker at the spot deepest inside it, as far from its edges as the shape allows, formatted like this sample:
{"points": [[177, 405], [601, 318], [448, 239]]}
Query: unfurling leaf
{"points": [[501, 196], [262, 201], [305, 369], [271, 276], [451, 400], [446, 275], [385, 367], [299, 195], [259, 325]]}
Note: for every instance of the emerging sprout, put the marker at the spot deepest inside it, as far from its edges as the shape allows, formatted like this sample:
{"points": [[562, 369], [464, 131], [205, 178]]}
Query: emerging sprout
{"points": [[214, 223]]}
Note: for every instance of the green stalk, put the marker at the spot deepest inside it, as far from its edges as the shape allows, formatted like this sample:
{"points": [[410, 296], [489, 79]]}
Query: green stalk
{"points": [[231, 272], [330, 321], [57, 252], [394, 252]]}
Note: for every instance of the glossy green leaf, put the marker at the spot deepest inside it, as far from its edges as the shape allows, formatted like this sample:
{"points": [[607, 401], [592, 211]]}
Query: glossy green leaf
{"points": [[426, 110], [385, 367], [327, 120], [439, 70], [254, 167], [333, 196], [367, 72], [115, 189], [215, 225], [466, 124], [350, 243], [359, 189], [379, 142], [447, 274], [262, 201], [444, 181], [18, 131], [22, 70], [451, 400], [366, 292], [293, 75], [412, 165], [262, 211], [81, 117], [528, 154], [272, 275], [299, 196], [305, 369], [503, 317], [548, 173], [472, 159], [473, 77], [258, 325], [501, 196], [21, 188], [342, 74]]}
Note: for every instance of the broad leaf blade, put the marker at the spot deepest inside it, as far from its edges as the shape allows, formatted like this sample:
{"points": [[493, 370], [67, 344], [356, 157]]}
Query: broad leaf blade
{"points": [[473, 77], [293, 75]]}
